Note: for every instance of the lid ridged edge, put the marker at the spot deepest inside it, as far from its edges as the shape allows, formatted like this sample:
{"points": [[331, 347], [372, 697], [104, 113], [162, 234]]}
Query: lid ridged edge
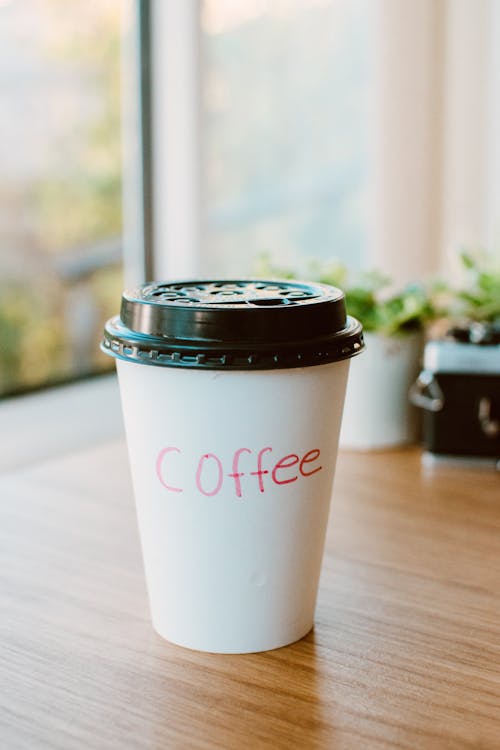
{"points": [[236, 325]]}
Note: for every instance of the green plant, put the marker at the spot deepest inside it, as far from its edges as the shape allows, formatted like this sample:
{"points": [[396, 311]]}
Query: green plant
{"points": [[33, 340], [369, 296], [479, 299]]}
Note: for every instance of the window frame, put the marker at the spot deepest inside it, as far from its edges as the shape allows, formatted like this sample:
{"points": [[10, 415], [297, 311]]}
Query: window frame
{"points": [[170, 51], [135, 245]]}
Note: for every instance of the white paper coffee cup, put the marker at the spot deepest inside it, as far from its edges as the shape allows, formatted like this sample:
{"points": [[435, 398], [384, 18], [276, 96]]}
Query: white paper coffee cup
{"points": [[232, 466]]}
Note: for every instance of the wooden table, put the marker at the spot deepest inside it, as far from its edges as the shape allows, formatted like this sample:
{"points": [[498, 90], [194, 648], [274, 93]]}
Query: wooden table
{"points": [[405, 652]]}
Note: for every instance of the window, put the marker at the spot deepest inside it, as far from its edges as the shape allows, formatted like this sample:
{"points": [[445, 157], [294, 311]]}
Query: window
{"points": [[349, 129], [60, 185], [284, 130], [260, 132]]}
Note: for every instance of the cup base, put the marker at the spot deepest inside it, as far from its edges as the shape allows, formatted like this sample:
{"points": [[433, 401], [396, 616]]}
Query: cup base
{"points": [[249, 647]]}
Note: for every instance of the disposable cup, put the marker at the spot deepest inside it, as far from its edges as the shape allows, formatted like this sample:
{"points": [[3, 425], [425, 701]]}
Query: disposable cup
{"points": [[232, 432]]}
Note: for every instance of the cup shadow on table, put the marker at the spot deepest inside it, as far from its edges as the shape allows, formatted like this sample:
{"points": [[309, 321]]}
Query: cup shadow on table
{"points": [[271, 697]]}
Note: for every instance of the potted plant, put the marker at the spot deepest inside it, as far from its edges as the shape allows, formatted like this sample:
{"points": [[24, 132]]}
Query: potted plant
{"points": [[477, 300], [377, 412]]}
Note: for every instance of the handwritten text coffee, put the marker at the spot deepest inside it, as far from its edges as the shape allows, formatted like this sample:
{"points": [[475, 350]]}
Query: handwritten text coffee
{"points": [[208, 473]]}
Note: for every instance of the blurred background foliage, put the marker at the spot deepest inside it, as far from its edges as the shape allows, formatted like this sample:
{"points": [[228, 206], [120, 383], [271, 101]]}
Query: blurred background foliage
{"points": [[60, 194], [370, 295], [80, 200]]}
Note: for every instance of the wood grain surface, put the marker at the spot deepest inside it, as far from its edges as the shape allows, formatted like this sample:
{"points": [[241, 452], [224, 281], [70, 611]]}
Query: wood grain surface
{"points": [[405, 651]]}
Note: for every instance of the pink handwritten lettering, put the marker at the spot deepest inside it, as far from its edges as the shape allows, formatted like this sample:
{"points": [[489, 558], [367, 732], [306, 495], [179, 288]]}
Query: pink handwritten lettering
{"points": [[285, 463], [237, 474], [160, 470], [260, 471], [307, 459], [199, 472], [209, 473]]}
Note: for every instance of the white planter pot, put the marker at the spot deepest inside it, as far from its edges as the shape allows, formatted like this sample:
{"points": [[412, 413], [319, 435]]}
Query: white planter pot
{"points": [[377, 411]]}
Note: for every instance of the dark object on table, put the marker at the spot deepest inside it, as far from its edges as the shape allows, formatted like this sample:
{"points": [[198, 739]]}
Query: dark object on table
{"points": [[459, 392]]}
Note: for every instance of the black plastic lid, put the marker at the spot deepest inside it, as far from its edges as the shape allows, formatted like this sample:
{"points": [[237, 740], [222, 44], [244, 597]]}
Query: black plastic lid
{"points": [[225, 324]]}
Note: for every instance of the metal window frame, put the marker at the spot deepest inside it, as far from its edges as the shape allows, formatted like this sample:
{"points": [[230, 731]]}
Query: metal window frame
{"points": [[137, 145], [174, 169], [146, 135]]}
